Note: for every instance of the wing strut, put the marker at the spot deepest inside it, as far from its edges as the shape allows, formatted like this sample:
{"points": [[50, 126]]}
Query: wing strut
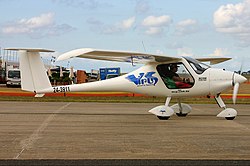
{"points": [[132, 61]]}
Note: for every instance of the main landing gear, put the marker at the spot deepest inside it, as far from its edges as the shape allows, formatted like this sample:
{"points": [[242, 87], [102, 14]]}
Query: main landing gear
{"points": [[228, 113], [164, 112]]}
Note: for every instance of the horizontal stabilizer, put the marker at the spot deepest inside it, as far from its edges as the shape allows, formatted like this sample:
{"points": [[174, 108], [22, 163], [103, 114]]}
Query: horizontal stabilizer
{"points": [[30, 49]]}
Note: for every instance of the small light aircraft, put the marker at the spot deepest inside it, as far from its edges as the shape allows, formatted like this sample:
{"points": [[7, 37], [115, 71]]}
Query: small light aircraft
{"points": [[161, 75]]}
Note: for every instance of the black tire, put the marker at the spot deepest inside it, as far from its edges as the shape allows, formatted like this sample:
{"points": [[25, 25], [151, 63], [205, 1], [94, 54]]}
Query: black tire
{"points": [[230, 118], [163, 117], [181, 114]]}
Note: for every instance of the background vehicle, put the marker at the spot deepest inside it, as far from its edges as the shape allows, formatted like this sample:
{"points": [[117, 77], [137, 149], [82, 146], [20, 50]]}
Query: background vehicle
{"points": [[106, 73], [13, 77]]}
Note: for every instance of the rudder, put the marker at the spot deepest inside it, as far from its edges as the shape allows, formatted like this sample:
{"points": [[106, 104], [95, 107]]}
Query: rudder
{"points": [[33, 73]]}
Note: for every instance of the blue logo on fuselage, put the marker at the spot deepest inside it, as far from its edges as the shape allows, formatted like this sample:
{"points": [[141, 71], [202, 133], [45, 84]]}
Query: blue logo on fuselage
{"points": [[143, 79]]}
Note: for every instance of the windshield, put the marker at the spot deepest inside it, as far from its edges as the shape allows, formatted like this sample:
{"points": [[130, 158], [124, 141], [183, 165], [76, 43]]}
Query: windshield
{"points": [[14, 74], [198, 67]]}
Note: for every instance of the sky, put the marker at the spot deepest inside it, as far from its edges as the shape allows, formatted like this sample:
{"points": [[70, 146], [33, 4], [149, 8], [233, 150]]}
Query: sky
{"points": [[196, 28]]}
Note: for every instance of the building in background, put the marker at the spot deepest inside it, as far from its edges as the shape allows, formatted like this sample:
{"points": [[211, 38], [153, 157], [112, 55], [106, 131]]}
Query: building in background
{"points": [[81, 76]]}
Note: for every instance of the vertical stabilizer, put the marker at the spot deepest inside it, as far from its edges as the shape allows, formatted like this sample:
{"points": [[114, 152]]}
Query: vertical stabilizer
{"points": [[33, 73]]}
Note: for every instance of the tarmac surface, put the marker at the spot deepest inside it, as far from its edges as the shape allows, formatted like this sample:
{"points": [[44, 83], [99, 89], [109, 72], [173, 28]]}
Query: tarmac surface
{"points": [[72, 130]]}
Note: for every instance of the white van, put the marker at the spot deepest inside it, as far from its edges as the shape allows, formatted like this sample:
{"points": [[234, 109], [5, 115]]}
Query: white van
{"points": [[13, 77]]}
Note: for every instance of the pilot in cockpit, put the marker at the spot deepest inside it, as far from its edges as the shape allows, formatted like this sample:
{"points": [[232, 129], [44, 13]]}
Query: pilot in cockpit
{"points": [[171, 78], [172, 73]]}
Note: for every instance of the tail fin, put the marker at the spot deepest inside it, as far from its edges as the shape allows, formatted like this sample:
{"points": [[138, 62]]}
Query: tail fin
{"points": [[33, 72]]}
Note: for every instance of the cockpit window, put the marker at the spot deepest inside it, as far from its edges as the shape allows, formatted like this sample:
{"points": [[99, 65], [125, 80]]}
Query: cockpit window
{"points": [[175, 76], [198, 67]]}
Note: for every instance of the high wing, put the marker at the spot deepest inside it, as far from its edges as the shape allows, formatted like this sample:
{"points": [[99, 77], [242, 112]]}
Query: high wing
{"points": [[119, 56], [127, 56], [213, 60]]}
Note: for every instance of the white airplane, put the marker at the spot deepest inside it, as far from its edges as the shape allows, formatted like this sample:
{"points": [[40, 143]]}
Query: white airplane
{"points": [[166, 76]]}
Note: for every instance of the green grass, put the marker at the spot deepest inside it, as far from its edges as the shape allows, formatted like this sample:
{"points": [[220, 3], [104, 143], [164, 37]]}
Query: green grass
{"points": [[106, 99]]}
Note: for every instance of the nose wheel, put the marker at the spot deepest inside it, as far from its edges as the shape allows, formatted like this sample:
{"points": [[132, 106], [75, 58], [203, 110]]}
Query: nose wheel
{"points": [[227, 113]]}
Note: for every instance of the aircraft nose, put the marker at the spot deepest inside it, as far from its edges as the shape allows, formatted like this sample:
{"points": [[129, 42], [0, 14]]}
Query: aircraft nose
{"points": [[239, 78]]}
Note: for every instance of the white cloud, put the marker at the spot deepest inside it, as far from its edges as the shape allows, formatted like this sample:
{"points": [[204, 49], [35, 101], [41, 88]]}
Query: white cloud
{"points": [[234, 19], [186, 27], [36, 27], [154, 30], [156, 25], [119, 27], [153, 21], [29, 25], [220, 52], [187, 22], [37, 22], [128, 23]]}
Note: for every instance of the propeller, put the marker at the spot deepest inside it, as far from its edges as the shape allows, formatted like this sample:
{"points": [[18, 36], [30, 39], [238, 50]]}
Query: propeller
{"points": [[235, 92], [241, 66], [236, 85], [237, 79]]}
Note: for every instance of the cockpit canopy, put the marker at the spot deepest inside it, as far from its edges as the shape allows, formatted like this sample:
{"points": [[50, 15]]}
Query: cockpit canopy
{"points": [[197, 66]]}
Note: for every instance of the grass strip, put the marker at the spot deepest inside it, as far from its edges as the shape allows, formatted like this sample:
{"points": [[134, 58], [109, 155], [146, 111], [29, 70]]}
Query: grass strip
{"points": [[110, 99]]}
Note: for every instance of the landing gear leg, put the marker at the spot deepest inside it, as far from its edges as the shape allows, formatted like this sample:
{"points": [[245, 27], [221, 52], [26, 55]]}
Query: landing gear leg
{"points": [[180, 113], [167, 101], [181, 109], [163, 112], [228, 113], [220, 102]]}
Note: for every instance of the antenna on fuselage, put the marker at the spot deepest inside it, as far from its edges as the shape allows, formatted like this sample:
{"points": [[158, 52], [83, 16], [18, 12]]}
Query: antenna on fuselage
{"points": [[143, 46]]}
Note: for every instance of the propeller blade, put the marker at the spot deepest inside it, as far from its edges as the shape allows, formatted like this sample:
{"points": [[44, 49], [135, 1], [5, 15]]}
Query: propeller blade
{"points": [[241, 66], [236, 88]]}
